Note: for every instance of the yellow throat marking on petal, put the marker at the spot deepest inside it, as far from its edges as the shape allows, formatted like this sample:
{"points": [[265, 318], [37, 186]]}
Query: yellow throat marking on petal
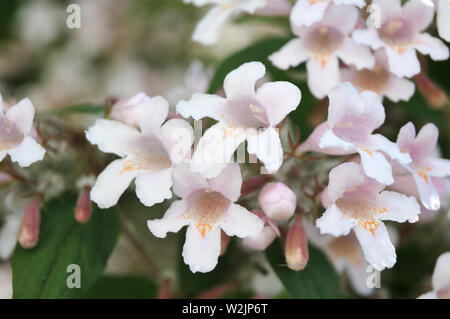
{"points": [[368, 151], [369, 224], [129, 165], [423, 173], [206, 210], [364, 213]]}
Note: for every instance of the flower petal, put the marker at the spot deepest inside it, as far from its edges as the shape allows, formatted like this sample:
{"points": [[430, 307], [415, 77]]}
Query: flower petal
{"points": [[238, 221], [388, 8], [438, 167], [322, 77], [368, 37], [344, 18], [376, 166], [111, 183], [441, 273], [358, 55], [404, 63], [377, 247], [358, 276], [201, 253], [261, 241], [208, 29], [27, 152], [398, 89], [266, 145], [428, 194], [154, 187], [432, 46], [203, 105], [21, 115], [379, 142], [186, 182], [330, 141], [228, 183], [419, 12], [172, 220], [278, 99], [215, 149], [151, 113], [343, 178], [290, 55], [177, 137], [443, 20], [241, 81], [358, 3], [111, 136], [406, 135], [400, 208], [333, 222], [307, 13]]}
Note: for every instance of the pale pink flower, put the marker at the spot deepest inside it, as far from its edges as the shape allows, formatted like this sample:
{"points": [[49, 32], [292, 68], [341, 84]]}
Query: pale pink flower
{"points": [[277, 201], [440, 279], [147, 154], [321, 45], [15, 134], [208, 29], [275, 8], [443, 18], [401, 34], [359, 203], [266, 236], [425, 164], [308, 12], [352, 117], [379, 80], [125, 110], [206, 207], [245, 114]]}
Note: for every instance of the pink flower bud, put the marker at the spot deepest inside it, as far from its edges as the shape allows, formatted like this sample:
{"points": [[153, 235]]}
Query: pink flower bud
{"points": [[83, 209], [296, 246], [434, 95], [278, 201], [29, 229], [265, 237]]}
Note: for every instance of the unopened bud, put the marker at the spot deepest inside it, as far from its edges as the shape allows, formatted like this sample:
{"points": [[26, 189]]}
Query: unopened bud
{"points": [[278, 201], [164, 291], [83, 209], [29, 228], [224, 241], [265, 237], [296, 246], [434, 95]]}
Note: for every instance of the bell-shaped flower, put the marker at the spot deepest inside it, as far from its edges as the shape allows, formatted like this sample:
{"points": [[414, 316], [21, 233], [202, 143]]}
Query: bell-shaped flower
{"points": [[379, 80], [307, 12], [425, 164], [266, 236], [245, 114], [208, 29], [359, 203], [443, 18], [401, 34], [15, 134], [440, 279], [352, 117], [321, 45], [206, 207], [147, 154]]}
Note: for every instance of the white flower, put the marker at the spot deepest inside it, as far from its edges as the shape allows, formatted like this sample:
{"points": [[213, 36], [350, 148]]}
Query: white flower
{"points": [[15, 134], [352, 117], [245, 114], [379, 80], [358, 203], [443, 18], [400, 35], [425, 164], [308, 12], [321, 45], [208, 29], [147, 154], [206, 207], [440, 279]]}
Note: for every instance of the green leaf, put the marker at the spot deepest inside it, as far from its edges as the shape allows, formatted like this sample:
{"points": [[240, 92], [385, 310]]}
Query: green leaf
{"points": [[317, 280], [128, 287], [76, 109], [256, 52], [42, 272]]}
